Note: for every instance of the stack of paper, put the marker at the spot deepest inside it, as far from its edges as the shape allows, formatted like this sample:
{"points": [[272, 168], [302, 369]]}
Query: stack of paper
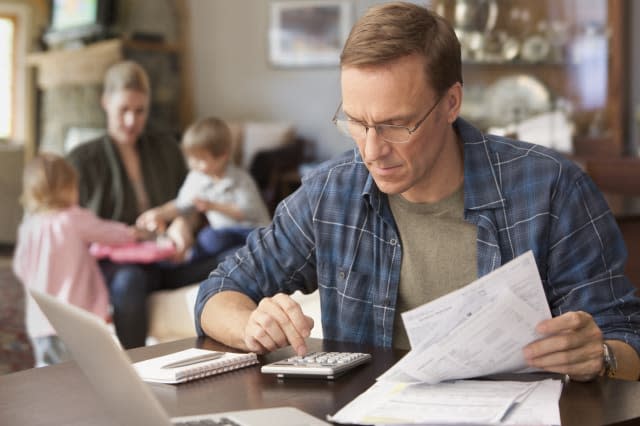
{"points": [[479, 402], [475, 331]]}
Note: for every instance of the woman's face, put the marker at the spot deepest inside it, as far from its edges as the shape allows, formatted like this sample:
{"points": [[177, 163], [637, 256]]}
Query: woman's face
{"points": [[127, 112]]}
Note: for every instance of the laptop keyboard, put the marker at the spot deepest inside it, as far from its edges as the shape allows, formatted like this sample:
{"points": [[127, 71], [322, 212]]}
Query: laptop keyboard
{"points": [[223, 421]]}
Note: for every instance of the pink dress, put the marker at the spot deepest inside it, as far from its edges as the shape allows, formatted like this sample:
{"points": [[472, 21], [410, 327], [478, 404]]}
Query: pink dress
{"points": [[52, 255]]}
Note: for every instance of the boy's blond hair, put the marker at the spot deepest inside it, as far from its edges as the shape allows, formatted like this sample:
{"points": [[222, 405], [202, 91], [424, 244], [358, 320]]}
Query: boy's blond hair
{"points": [[210, 134], [47, 181]]}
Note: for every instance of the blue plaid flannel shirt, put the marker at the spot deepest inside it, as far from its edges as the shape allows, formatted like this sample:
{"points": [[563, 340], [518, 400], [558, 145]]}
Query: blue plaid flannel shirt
{"points": [[337, 233]]}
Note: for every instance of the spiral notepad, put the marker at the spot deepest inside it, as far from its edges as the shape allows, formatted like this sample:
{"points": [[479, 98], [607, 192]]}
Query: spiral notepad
{"points": [[158, 369]]}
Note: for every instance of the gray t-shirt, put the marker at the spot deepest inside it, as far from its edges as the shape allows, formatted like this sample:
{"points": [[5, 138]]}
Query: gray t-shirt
{"points": [[438, 253]]}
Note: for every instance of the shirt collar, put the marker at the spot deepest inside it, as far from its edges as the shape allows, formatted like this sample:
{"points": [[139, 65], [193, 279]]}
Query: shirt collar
{"points": [[481, 185]]}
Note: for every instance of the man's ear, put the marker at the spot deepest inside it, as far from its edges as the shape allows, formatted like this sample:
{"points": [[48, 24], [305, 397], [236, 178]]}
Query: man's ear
{"points": [[453, 100]]}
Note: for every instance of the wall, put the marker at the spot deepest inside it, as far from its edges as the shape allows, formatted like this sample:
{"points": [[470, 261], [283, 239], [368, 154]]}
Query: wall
{"points": [[11, 161], [233, 79], [32, 19]]}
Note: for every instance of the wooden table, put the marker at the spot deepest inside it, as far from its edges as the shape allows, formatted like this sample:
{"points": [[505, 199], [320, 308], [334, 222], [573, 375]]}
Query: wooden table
{"points": [[60, 395]]}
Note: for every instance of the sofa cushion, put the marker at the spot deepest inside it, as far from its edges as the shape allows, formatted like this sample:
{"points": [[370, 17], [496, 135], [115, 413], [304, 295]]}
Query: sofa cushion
{"points": [[171, 314]]}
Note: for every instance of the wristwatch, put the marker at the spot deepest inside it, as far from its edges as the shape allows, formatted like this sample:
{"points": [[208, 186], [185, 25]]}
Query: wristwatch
{"points": [[609, 361]]}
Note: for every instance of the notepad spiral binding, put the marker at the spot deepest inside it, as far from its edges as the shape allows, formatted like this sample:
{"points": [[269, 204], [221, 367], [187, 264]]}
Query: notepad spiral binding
{"points": [[213, 368]]}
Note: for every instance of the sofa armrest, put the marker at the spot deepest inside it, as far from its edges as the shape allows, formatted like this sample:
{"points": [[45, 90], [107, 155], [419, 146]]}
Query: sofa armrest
{"points": [[171, 313]]}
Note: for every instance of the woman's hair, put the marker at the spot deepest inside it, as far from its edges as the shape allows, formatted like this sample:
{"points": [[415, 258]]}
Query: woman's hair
{"points": [[210, 134], [126, 75], [47, 182], [390, 31]]}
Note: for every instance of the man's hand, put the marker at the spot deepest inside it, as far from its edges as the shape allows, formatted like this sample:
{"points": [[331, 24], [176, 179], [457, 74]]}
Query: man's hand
{"points": [[277, 321], [572, 345]]}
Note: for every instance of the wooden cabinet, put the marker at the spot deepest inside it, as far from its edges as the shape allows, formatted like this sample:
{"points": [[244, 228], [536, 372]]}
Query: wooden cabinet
{"points": [[523, 58]]}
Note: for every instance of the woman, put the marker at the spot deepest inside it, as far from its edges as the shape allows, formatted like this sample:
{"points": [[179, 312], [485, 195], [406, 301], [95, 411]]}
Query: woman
{"points": [[123, 174]]}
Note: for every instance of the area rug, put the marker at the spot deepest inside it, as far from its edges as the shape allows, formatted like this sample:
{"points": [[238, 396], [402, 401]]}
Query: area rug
{"points": [[15, 349]]}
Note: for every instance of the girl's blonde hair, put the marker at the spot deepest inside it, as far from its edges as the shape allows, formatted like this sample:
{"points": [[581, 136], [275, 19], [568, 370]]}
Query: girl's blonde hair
{"points": [[47, 182]]}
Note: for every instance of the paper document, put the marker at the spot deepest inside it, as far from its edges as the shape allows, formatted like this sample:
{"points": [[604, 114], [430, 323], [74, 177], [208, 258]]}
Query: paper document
{"points": [[477, 330], [459, 402]]}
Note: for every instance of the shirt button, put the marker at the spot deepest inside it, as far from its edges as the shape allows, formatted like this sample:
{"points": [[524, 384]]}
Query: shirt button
{"points": [[342, 275], [393, 241]]}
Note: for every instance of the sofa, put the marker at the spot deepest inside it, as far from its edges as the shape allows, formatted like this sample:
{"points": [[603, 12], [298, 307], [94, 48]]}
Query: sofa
{"points": [[266, 149], [172, 314]]}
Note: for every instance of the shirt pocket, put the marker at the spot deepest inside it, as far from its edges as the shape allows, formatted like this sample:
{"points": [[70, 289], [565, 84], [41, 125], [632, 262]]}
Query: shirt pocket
{"points": [[347, 297]]}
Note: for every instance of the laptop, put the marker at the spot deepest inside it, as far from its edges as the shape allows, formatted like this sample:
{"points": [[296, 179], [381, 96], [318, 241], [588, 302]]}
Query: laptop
{"points": [[109, 371]]}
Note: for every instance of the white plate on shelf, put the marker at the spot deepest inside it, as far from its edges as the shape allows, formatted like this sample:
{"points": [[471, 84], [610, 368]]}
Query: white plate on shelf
{"points": [[514, 98]]}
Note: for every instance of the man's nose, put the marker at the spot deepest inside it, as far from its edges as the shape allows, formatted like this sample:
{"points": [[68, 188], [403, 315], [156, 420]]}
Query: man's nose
{"points": [[374, 145]]}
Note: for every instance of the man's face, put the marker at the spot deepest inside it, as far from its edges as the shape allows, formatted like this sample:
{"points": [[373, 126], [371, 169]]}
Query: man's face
{"points": [[127, 112], [397, 93]]}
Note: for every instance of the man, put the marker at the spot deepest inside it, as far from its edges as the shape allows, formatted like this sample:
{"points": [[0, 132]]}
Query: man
{"points": [[423, 206]]}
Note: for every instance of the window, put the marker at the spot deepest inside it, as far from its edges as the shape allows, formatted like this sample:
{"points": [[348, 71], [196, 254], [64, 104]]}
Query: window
{"points": [[7, 68]]}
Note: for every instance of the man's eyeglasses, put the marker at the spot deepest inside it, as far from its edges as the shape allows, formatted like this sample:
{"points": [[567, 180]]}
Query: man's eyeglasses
{"points": [[388, 132]]}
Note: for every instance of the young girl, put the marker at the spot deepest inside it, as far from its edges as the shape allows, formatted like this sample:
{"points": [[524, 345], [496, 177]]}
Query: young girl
{"points": [[52, 252]]}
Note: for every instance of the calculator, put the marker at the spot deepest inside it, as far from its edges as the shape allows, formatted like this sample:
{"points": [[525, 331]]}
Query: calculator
{"points": [[324, 365]]}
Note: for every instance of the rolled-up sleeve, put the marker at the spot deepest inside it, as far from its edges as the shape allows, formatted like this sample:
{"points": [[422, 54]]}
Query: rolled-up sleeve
{"points": [[587, 256], [277, 258]]}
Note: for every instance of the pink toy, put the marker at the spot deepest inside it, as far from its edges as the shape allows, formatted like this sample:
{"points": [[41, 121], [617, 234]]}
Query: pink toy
{"points": [[138, 252]]}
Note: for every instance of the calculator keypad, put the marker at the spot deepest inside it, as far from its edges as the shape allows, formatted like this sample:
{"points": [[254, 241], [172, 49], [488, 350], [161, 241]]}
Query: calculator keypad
{"points": [[317, 364]]}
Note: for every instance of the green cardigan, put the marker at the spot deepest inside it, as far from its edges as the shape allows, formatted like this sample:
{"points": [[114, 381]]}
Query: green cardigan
{"points": [[105, 187]]}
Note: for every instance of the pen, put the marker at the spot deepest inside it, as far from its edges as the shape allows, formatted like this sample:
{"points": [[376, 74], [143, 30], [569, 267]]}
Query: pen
{"points": [[194, 360]]}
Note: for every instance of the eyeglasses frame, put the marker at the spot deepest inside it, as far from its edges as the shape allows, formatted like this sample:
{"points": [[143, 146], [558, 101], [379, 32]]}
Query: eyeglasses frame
{"points": [[375, 126]]}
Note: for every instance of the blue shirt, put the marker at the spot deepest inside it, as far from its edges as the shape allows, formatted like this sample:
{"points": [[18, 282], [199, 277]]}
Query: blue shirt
{"points": [[337, 233]]}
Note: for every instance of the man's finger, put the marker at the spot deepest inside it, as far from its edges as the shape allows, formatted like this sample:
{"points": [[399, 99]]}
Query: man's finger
{"points": [[298, 326], [565, 322], [268, 324], [283, 314]]}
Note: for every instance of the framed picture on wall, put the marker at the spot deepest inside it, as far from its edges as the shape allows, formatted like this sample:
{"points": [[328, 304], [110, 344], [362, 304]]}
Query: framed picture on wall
{"points": [[308, 33]]}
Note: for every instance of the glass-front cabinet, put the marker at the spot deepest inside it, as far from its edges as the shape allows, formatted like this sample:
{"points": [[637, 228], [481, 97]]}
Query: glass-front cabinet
{"points": [[552, 72]]}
